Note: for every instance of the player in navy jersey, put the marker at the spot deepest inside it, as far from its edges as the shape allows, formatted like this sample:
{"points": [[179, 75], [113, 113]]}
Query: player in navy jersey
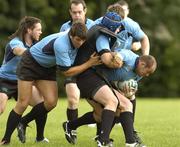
{"points": [[38, 67], [92, 86], [27, 34], [77, 10]]}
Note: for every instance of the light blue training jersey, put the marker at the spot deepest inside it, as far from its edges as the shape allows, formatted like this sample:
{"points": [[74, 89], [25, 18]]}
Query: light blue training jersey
{"points": [[9, 65], [102, 43], [66, 26], [55, 49], [129, 33], [127, 71]]}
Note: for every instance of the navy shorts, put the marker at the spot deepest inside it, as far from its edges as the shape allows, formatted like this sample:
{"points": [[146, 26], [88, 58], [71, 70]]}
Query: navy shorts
{"points": [[9, 87], [89, 83], [29, 69]]}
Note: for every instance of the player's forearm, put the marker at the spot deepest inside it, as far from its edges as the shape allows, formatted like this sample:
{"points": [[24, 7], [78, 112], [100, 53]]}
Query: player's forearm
{"points": [[145, 45], [18, 51], [111, 60], [77, 69]]}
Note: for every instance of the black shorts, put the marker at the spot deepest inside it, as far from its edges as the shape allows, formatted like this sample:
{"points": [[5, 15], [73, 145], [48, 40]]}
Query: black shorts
{"points": [[69, 80], [29, 70], [89, 83], [9, 87]]}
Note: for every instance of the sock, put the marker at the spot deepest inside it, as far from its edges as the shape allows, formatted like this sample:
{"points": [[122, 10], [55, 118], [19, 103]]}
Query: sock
{"points": [[134, 108], [87, 118], [40, 125], [34, 113], [106, 124], [72, 114], [98, 131], [11, 125], [28, 117], [114, 122], [127, 124]]}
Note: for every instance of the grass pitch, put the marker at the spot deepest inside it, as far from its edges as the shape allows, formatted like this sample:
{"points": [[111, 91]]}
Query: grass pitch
{"points": [[157, 120]]}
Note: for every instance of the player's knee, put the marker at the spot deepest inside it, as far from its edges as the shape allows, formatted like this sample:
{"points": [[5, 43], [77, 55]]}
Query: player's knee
{"points": [[73, 101], [113, 103], [23, 103], [127, 106], [50, 104], [97, 116]]}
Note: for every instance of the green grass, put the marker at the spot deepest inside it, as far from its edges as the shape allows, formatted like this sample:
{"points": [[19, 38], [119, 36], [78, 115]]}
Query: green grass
{"points": [[158, 120]]}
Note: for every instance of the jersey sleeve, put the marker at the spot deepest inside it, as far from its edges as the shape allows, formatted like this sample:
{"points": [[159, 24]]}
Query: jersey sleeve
{"points": [[16, 43], [63, 60], [102, 44]]}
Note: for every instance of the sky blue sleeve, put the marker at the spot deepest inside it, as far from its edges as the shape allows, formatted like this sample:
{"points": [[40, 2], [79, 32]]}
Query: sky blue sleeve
{"points": [[16, 43], [102, 43], [133, 27], [61, 53], [98, 21], [65, 27]]}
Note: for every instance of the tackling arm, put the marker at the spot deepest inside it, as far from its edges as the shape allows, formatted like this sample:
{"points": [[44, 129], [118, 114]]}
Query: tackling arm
{"points": [[112, 59]]}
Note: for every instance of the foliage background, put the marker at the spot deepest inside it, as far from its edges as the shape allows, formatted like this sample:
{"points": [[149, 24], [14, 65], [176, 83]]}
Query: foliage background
{"points": [[158, 18]]}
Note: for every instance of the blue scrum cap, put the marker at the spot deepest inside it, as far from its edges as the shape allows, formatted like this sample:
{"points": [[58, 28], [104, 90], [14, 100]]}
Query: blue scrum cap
{"points": [[111, 20]]}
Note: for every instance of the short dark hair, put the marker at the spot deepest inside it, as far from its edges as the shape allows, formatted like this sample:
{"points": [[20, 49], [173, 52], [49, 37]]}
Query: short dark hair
{"points": [[76, 2], [116, 8], [149, 60], [78, 29]]}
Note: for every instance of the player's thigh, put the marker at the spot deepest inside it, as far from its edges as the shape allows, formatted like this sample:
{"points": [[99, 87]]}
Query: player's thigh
{"points": [[105, 96], [49, 91], [36, 97], [24, 91], [125, 104]]}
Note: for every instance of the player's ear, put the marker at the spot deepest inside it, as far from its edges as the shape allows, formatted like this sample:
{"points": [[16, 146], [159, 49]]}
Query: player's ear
{"points": [[70, 11], [142, 64], [29, 30]]}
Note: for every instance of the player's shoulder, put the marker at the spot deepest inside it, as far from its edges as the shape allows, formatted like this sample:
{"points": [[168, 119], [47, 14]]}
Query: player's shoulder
{"points": [[62, 39], [16, 41], [128, 22], [65, 26], [66, 23], [88, 20]]}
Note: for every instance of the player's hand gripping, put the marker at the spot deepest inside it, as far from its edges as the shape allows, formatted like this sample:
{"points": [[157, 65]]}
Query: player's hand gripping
{"points": [[94, 59]]}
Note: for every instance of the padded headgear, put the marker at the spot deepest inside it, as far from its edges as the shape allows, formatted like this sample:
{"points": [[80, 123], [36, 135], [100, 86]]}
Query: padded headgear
{"points": [[111, 20]]}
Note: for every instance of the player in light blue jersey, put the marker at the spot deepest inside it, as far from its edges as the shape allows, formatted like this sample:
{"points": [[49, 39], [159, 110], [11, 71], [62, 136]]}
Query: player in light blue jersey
{"points": [[136, 33], [134, 67], [130, 35], [77, 10], [27, 34], [38, 67]]}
